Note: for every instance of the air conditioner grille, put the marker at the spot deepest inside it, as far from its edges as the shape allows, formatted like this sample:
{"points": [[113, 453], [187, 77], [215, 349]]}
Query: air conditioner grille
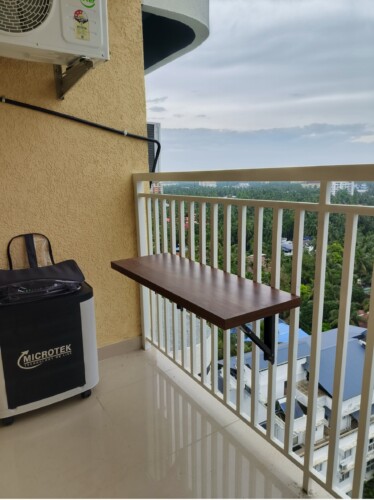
{"points": [[20, 16]]}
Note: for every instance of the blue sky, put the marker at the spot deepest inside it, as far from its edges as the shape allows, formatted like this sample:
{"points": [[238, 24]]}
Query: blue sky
{"points": [[278, 83]]}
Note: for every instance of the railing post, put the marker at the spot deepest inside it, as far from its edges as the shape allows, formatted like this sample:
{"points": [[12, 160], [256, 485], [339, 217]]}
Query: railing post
{"points": [[141, 225]]}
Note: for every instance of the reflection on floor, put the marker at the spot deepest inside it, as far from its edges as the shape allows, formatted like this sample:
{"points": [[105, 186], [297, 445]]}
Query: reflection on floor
{"points": [[147, 431]]}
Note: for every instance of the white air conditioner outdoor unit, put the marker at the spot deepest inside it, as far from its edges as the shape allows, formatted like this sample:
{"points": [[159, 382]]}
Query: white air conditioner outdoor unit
{"points": [[54, 31]]}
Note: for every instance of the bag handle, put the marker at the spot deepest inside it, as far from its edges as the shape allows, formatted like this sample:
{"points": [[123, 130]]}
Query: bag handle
{"points": [[30, 249]]}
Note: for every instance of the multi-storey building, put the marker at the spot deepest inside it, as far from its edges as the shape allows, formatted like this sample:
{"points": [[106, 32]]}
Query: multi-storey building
{"points": [[350, 414], [339, 186]]}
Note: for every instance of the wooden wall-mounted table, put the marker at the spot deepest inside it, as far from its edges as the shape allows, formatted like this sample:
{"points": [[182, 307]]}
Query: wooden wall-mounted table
{"points": [[221, 298]]}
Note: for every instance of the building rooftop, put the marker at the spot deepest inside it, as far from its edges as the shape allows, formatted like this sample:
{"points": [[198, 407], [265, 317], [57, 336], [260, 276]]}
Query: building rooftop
{"points": [[355, 358], [303, 351]]}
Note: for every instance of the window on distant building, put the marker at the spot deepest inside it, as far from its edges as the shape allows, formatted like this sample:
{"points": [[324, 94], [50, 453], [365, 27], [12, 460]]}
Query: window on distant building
{"points": [[347, 453], [318, 467], [343, 476], [370, 465], [295, 440], [371, 444]]}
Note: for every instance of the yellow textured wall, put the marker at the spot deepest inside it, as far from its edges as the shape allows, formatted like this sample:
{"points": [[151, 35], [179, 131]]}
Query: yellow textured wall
{"points": [[72, 182]]}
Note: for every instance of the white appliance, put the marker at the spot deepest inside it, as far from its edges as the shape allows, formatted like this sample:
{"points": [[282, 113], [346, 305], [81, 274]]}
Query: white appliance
{"points": [[29, 362], [54, 31]]}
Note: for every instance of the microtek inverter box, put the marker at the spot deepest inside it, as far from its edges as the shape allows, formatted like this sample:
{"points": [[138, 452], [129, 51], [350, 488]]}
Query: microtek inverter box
{"points": [[48, 346]]}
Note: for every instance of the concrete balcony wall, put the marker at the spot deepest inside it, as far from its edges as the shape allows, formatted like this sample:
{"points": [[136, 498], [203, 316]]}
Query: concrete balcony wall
{"points": [[71, 182]]}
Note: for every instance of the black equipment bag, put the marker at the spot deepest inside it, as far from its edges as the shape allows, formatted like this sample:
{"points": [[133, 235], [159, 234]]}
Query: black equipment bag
{"points": [[27, 285], [33, 274]]}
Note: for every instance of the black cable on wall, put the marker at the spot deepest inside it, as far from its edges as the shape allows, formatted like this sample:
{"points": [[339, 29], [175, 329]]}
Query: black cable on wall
{"points": [[124, 133]]}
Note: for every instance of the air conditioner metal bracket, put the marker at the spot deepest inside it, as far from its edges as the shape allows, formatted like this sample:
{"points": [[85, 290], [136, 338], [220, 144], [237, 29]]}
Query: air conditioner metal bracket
{"points": [[66, 80]]}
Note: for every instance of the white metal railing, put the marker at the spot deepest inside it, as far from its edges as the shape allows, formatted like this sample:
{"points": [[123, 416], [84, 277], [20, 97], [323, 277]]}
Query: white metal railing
{"points": [[193, 344]]}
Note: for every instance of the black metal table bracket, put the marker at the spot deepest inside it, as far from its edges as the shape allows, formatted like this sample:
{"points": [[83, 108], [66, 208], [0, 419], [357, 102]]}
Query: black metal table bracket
{"points": [[268, 344]]}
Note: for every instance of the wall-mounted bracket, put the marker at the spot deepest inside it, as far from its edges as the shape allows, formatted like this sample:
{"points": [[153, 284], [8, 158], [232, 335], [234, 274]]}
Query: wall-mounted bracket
{"points": [[66, 80]]}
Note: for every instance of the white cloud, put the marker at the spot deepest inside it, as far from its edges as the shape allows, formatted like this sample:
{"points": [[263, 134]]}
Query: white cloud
{"points": [[157, 109], [365, 139], [316, 144], [274, 63]]}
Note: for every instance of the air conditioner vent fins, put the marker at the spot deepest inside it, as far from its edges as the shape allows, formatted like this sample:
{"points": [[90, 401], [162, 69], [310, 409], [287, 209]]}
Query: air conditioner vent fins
{"points": [[21, 16]]}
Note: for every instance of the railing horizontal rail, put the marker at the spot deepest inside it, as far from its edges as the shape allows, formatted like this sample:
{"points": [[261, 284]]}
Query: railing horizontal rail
{"points": [[352, 172], [285, 205]]}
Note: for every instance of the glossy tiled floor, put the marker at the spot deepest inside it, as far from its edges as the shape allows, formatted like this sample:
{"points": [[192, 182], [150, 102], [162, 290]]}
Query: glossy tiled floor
{"points": [[147, 431]]}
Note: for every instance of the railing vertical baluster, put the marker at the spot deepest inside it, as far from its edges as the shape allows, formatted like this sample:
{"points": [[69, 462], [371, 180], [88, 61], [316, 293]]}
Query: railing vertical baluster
{"points": [[214, 235], [297, 259], [173, 235], [167, 327], [341, 346], [156, 224], [150, 252], [227, 239], [183, 337], [257, 277], [214, 358], [173, 250], [275, 282], [315, 355], [141, 224], [202, 252], [164, 225], [182, 253], [202, 233], [365, 406], [213, 328], [203, 351], [149, 226], [239, 370], [226, 366], [182, 231], [191, 253], [242, 238], [191, 230]]}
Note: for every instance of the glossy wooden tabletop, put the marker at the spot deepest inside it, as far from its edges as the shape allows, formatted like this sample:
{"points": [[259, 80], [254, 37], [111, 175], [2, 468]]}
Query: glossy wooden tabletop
{"points": [[219, 297]]}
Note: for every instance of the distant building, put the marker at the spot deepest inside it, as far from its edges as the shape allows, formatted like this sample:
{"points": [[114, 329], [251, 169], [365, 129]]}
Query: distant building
{"points": [[351, 398], [339, 186], [210, 184], [310, 184], [157, 188], [361, 188]]}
